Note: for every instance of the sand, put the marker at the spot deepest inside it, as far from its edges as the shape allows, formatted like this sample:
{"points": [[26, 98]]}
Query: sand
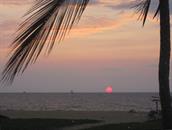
{"points": [[106, 116]]}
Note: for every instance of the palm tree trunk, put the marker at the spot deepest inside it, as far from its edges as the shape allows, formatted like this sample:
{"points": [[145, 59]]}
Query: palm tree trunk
{"points": [[164, 64]]}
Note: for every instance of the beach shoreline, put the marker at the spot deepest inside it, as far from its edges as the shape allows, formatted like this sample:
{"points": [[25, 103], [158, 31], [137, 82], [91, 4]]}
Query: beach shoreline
{"points": [[106, 116]]}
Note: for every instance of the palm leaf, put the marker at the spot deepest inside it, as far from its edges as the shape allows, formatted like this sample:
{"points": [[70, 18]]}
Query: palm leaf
{"points": [[143, 8], [157, 11], [46, 22]]}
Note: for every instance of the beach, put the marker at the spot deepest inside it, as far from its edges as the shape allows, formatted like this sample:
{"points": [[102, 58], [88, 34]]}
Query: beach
{"points": [[77, 120], [105, 116]]}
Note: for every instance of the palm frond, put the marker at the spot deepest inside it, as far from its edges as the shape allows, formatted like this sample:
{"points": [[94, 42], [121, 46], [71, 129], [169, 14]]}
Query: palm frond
{"points": [[143, 8], [157, 11], [46, 22]]}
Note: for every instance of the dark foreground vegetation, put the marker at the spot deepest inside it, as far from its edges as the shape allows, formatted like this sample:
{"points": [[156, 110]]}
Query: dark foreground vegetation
{"points": [[51, 124], [41, 124]]}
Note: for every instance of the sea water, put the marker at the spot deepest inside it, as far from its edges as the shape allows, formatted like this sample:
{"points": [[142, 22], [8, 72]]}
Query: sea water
{"points": [[77, 101]]}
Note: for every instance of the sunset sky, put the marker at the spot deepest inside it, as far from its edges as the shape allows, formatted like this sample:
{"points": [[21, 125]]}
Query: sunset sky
{"points": [[109, 46]]}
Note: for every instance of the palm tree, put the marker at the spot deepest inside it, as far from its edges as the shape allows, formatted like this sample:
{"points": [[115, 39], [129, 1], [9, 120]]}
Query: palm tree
{"points": [[164, 63], [164, 59], [50, 20]]}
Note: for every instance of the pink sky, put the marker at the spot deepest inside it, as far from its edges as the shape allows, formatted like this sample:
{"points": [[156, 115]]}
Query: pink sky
{"points": [[108, 47]]}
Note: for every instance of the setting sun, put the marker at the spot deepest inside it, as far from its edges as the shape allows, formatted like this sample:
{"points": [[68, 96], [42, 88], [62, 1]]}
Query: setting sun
{"points": [[109, 89]]}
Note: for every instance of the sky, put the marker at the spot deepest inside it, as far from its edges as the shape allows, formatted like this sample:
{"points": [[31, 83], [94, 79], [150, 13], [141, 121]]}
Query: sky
{"points": [[109, 46]]}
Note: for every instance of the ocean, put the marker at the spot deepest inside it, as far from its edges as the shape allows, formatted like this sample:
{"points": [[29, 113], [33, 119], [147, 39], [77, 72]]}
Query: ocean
{"points": [[77, 101]]}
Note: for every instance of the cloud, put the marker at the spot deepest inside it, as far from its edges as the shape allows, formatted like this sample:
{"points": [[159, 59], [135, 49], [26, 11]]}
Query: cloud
{"points": [[91, 24], [126, 5], [15, 2], [101, 24]]}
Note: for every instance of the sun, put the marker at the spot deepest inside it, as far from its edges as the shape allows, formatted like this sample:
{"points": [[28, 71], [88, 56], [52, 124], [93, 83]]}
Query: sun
{"points": [[109, 89]]}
